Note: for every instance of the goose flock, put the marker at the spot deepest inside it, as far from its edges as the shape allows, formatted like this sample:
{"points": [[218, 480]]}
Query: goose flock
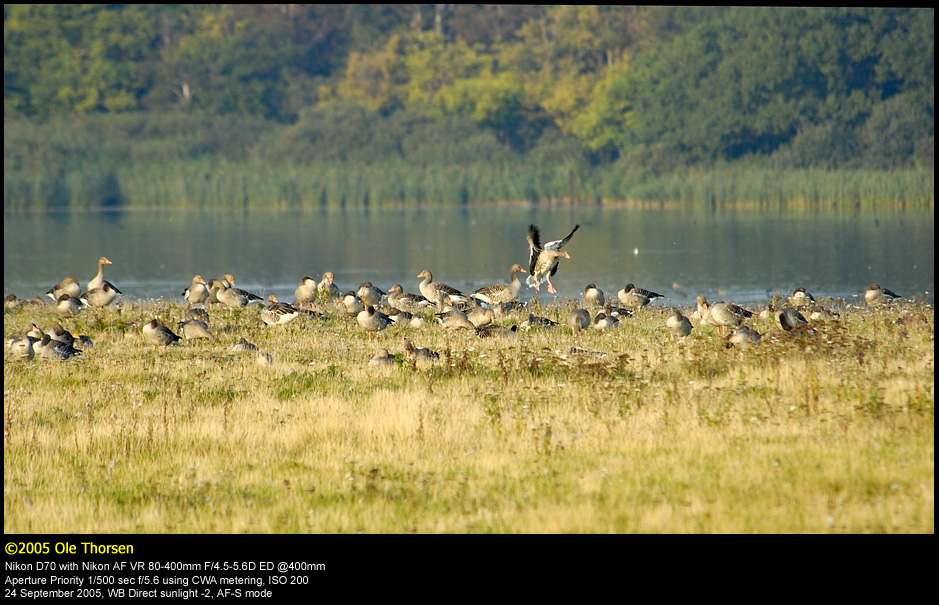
{"points": [[375, 310]]}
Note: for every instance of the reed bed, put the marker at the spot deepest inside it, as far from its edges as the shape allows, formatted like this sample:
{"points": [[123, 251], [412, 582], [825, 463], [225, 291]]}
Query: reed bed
{"points": [[829, 430]]}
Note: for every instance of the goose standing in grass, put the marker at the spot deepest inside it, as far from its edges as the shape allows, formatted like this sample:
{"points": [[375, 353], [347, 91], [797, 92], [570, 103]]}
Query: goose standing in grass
{"points": [[405, 301], [790, 319], [435, 292], [68, 286], [67, 305], [100, 297], [543, 260], [876, 295], [501, 293], [372, 321], [350, 305], [305, 291], [278, 313], [98, 280], [454, 319], [678, 324], [369, 294], [214, 285], [722, 314], [594, 296], [381, 359], [326, 289], [235, 297], [604, 322], [479, 316], [194, 329], [419, 353], [197, 313], [197, 292], [158, 334], [801, 297], [634, 298], [578, 320]]}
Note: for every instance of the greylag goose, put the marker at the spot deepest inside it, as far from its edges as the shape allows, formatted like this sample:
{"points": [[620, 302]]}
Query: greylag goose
{"points": [[263, 359], [743, 336], [801, 297], [578, 320], [405, 301], [61, 334], [69, 286], [535, 321], [678, 324], [372, 321], [497, 331], [326, 288], [435, 292], [501, 293], [197, 313], [876, 295], [55, 350], [454, 319], [381, 359], [722, 314], [197, 292], [100, 297], [158, 334], [98, 280], [479, 316], [11, 302], [194, 329], [369, 294], [350, 305], [636, 298], [67, 305], [214, 285], [234, 297], [790, 319], [278, 313], [305, 291], [243, 345], [604, 322], [543, 261], [419, 353], [594, 296], [21, 346]]}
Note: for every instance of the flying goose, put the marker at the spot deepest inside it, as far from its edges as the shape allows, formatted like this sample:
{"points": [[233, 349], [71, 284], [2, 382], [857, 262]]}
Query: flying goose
{"points": [[543, 261], [501, 293]]}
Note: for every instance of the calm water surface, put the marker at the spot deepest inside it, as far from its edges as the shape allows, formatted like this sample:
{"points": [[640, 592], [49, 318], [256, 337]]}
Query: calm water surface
{"points": [[738, 255]]}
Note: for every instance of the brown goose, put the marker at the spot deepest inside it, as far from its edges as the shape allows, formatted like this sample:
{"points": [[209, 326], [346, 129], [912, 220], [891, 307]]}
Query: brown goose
{"points": [[543, 261], [454, 319], [535, 321], [419, 353], [604, 322], [435, 292], [98, 280], [158, 334], [634, 298], [21, 346], [67, 305], [578, 320], [594, 296], [305, 291], [234, 297], [197, 292], [501, 293], [678, 324], [790, 319], [194, 329], [369, 294], [876, 295], [479, 316], [801, 297], [372, 321], [69, 286], [405, 301], [55, 350], [497, 331], [326, 289], [100, 297], [743, 336], [214, 285], [350, 305], [381, 359], [278, 313], [722, 314]]}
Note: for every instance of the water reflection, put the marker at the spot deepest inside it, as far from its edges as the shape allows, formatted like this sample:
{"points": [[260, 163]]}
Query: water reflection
{"points": [[732, 254]]}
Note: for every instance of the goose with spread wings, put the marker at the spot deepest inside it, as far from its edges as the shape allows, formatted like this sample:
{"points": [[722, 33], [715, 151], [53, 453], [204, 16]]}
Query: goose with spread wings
{"points": [[543, 260]]}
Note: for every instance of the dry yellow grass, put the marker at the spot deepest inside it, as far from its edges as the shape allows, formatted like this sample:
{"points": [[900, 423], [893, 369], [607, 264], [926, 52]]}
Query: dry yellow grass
{"points": [[824, 431]]}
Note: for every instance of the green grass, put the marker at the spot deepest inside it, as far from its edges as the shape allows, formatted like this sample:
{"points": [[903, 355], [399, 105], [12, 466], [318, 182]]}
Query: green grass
{"points": [[829, 431]]}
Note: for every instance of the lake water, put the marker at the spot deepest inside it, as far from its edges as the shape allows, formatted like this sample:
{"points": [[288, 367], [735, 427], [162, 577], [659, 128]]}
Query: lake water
{"points": [[741, 255]]}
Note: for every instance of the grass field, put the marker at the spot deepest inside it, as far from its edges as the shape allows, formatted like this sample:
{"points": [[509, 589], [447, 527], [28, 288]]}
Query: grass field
{"points": [[829, 430]]}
